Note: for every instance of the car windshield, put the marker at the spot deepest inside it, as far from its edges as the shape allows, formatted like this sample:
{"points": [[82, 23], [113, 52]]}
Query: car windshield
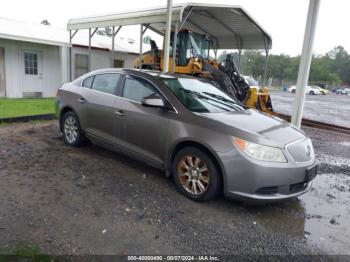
{"points": [[199, 95], [200, 45]]}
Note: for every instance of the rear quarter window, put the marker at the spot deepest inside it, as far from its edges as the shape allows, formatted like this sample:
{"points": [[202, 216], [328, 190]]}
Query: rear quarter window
{"points": [[87, 82]]}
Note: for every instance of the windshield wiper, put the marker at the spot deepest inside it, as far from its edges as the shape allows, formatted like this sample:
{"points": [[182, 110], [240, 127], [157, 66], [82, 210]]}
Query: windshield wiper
{"points": [[199, 95], [224, 99]]}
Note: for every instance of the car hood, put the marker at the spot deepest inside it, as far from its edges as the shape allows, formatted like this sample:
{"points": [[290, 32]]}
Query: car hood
{"points": [[257, 127]]}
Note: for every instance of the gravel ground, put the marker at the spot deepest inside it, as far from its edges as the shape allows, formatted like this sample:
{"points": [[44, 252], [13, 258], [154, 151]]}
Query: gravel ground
{"points": [[332, 108], [88, 200]]}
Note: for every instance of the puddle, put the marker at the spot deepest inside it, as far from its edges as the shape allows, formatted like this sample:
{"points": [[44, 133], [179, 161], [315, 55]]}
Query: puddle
{"points": [[329, 201], [311, 214]]}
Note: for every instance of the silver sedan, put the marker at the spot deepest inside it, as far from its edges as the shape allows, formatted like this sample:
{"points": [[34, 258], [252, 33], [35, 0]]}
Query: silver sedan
{"points": [[204, 139]]}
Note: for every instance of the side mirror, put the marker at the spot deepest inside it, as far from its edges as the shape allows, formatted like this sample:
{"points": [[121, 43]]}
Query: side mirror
{"points": [[153, 100]]}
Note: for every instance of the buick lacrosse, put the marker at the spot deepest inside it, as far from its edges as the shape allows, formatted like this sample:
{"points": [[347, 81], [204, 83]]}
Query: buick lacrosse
{"points": [[208, 142]]}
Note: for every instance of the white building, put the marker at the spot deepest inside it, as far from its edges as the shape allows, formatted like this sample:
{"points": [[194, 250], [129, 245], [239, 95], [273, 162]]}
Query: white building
{"points": [[34, 58]]}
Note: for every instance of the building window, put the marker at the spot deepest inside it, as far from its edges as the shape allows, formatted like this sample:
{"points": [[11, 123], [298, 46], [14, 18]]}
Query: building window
{"points": [[81, 65], [118, 63], [30, 63]]}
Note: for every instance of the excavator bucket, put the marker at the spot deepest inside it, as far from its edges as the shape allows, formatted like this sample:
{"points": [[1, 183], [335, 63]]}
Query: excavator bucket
{"points": [[260, 100]]}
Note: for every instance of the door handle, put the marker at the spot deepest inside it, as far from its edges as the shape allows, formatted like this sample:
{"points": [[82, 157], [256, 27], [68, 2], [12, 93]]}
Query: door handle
{"points": [[81, 100], [119, 112]]}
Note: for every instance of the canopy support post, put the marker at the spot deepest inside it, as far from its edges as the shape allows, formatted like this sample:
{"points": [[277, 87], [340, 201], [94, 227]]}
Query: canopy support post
{"points": [[175, 46], [114, 33], [89, 58], [167, 36], [266, 62], [70, 56], [71, 35], [141, 43], [305, 62], [113, 39], [185, 19]]}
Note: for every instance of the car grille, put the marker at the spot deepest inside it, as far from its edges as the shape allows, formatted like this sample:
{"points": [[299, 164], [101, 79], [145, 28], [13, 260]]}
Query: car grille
{"points": [[301, 151]]}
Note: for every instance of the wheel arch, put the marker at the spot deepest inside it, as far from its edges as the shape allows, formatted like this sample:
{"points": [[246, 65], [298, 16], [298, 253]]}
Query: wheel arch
{"points": [[63, 111], [192, 143]]}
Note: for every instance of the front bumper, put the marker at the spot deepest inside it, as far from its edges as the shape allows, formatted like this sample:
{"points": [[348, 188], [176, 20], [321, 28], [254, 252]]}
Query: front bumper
{"points": [[261, 198], [251, 180]]}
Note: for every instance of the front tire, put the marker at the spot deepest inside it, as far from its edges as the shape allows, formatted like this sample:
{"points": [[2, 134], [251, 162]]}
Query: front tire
{"points": [[312, 93], [196, 175], [72, 132]]}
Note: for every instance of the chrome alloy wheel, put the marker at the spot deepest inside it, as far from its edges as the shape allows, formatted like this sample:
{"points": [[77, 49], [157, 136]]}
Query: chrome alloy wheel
{"points": [[193, 174], [71, 129]]}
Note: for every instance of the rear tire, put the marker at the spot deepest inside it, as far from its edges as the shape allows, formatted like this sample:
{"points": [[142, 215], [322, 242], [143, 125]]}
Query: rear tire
{"points": [[196, 175], [311, 93], [293, 91], [72, 132]]}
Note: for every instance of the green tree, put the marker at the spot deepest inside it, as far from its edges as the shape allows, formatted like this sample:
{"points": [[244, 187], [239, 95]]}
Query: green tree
{"points": [[321, 71], [107, 31], [331, 68], [341, 63]]}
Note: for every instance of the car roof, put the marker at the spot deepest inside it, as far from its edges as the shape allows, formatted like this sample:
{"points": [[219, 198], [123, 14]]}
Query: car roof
{"points": [[140, 72]]}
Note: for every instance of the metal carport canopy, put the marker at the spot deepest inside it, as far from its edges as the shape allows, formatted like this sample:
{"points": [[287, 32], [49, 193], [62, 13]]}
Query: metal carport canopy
{"points": [[230, 26]]}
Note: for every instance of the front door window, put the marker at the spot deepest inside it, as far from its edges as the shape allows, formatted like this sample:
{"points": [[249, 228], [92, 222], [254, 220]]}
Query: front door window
{"points": [[30, 63], [136, 89]]}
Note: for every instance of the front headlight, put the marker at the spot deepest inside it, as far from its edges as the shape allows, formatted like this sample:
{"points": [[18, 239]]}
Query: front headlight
{"points": [[260, 152]]}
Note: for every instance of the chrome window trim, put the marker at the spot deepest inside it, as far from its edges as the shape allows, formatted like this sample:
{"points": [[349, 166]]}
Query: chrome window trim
{"points": [[105, 73], [125, 74]]}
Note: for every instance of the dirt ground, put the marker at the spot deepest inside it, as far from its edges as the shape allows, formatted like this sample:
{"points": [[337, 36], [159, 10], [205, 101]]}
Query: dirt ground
{"points": [[88, 200]]}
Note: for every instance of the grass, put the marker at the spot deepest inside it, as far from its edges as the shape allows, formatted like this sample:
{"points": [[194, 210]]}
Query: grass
{"points": [[24, 252], [14, 107]]}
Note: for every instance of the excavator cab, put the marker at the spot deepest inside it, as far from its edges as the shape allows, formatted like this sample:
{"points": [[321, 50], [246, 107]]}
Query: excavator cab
{"points": [[191, 48]]}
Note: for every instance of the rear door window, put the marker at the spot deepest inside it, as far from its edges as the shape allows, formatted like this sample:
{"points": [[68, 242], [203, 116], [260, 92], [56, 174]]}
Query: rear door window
{"points": [[106, 83], [136, 89]]}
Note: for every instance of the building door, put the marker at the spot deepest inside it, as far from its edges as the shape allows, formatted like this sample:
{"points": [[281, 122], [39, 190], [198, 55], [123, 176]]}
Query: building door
{"points": [[2, 73], [33, 77]]}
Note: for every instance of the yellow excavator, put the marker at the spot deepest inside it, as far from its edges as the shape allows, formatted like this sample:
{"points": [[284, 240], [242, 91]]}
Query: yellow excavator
{"points": [[192, 58]]}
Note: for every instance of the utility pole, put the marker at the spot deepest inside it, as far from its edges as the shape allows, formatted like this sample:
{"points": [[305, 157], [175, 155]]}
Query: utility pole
{"points": [[167, 36], [305, 62]]}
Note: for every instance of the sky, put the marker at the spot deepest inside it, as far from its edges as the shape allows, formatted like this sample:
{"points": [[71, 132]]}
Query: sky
{"points": [[284, 20]]}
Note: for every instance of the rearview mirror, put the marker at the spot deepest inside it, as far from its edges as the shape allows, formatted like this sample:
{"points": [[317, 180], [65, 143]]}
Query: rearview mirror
{"points": [[153, 100]]}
